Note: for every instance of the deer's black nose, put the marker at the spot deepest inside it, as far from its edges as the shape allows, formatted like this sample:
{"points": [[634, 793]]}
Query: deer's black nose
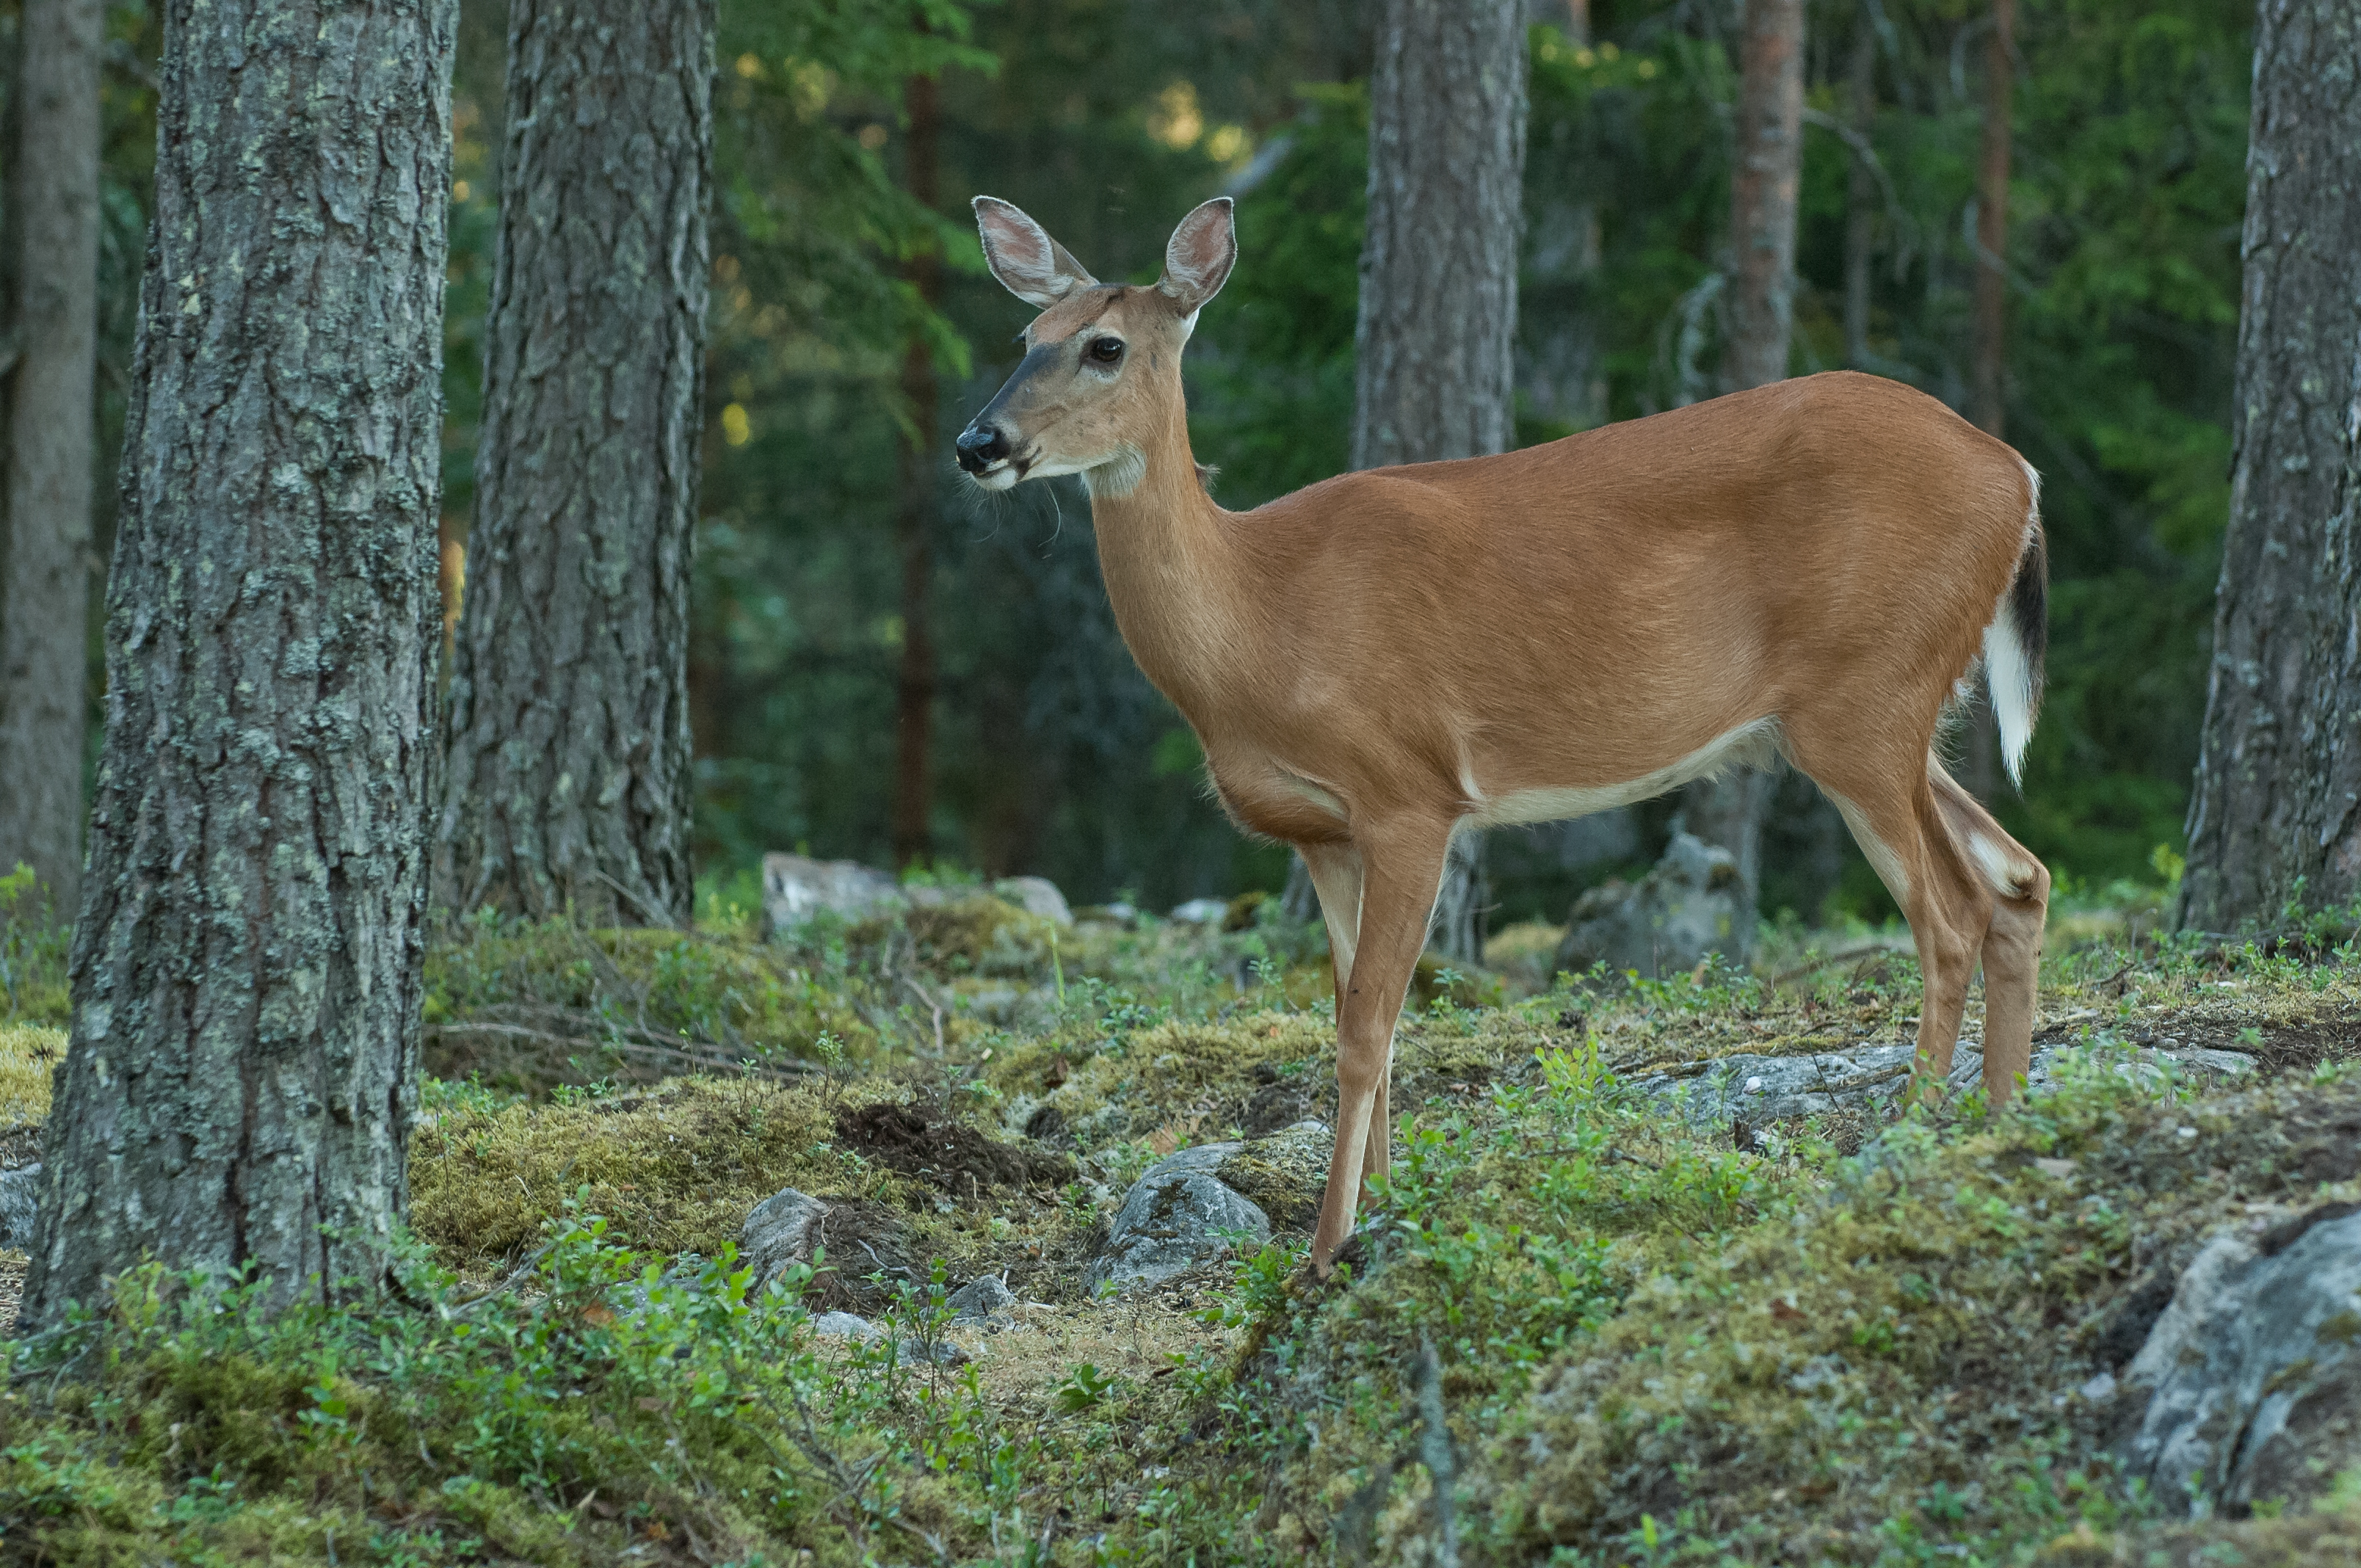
{"points": [[980, 449]]}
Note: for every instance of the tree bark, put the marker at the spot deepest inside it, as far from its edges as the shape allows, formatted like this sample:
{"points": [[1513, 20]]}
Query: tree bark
{"points": [[1763, 183], [2275, 812], [1727, 810], [569, 785], [247, 970], [1987, 404], [1435, 340], [45, 591], [1861, 191], [1992, 222], [914, 696]]}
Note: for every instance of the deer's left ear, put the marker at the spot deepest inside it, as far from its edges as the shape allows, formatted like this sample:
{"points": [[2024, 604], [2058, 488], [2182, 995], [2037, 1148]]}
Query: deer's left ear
{"points": [[1198, 258]]}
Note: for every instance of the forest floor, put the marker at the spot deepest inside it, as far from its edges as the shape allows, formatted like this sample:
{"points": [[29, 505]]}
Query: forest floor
{"points": [[1623, 1327]]}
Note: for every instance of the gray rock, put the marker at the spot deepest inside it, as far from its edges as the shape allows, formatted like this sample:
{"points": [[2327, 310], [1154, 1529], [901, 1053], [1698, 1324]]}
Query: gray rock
{"points": [[781, 1232], [981, 1300], [20, 1193], [2252, 1378], [1757, 1090], [1686, 907], [795, 888], [2136, 1063], [1034, 895], [844, 1325], [1172, 1217], [1203, 912]]}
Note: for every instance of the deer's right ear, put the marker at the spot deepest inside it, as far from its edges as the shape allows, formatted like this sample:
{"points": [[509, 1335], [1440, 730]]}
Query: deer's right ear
{"points": [[1029, 263]]}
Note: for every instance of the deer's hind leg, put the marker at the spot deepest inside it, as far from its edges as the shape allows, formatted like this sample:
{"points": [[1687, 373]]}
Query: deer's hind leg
{"points": [[2019, 886], [1887, 798]]}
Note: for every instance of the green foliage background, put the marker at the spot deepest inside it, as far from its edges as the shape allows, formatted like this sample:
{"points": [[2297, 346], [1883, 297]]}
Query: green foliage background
{"points": [[1108, 118]]}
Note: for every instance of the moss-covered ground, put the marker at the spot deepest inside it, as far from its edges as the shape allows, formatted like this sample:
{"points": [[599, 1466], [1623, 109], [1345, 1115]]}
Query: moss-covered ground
{"points": [[1868, 1339]]}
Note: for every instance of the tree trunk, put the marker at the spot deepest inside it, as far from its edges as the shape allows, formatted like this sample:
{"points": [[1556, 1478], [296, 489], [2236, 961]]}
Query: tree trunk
{"points": [[1435, 341], [1762, 188], [569, 785], [45, 591], [1987, 405], [914, 696], [1992, 222], [1727, 810], [1861, 191], [2276, 813], [247, 970]]}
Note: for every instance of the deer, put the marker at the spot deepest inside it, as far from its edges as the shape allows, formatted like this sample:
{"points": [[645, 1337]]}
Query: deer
{"points": [[1814, 569]]}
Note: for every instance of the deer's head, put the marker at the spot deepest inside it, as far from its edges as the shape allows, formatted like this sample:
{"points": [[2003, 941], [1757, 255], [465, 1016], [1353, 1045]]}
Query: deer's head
{"points": [[1102, 360]]}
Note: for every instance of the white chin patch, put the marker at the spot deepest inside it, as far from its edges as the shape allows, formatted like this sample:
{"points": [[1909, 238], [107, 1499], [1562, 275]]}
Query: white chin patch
{"points": [[1118, 475], [1001, 479]]}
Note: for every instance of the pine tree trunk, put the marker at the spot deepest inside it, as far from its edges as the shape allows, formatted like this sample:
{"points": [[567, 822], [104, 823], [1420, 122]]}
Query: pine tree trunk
{"points": [[45, 590], [1861, 190], [569, 784], [1763, 186], [1727, 810], [914, 697], [247, 970], [1435, 340], [2276, 813]]}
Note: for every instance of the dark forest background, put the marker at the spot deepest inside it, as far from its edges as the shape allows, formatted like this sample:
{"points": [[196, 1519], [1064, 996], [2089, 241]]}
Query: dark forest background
{"points": [[1107, 119]]}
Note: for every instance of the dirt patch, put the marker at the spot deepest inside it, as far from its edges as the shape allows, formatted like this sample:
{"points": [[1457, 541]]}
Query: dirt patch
{"points": [[945, 1153]]}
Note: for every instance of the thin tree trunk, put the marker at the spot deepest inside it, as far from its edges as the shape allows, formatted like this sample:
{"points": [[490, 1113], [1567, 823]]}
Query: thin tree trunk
{"points": [[1727, 810], [569, 785], [1763, 185], [914, 697], [45, 591], [1861, 191], [1987, 404], [1435, 341], [1992, 222], [247, 970], [2275, 812]]}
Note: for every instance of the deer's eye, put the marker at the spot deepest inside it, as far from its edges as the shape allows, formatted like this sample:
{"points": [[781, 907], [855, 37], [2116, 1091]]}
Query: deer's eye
{"points": [[1106, 350]]}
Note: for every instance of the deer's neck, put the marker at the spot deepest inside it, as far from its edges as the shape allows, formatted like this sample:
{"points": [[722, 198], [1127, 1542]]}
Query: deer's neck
{"points": [[1166, 553]]}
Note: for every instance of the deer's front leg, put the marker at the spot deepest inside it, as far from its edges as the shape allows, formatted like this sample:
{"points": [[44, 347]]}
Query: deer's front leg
{"points": [[1402, 868]]}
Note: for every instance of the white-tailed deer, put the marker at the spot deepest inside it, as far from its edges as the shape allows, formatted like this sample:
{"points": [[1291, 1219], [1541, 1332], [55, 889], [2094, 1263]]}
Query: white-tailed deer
{"points": [[1811, 568]]}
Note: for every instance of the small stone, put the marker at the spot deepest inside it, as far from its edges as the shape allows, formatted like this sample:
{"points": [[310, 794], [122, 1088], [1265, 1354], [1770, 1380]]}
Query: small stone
{"points": [[1175, 1215], [1203, 912], [782, 1231], [1035, 895], [844, 1325], [2098, 1389], [980, 1299]]}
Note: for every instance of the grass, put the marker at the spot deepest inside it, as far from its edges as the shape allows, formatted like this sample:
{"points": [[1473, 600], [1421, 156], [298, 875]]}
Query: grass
{"points": [[1863, 1342]]}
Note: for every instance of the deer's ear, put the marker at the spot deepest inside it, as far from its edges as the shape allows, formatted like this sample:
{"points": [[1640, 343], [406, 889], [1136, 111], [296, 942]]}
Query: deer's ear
{"points": [[1029, 263], [1198, 258]]}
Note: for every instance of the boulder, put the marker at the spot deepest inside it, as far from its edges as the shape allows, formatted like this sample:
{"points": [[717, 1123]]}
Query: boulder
{"points": [[1686, 907], [2252, 1376], [982, 1300], [780, 1233], [1203, 912], [1175, 1215], [1035, 895], [20, 1192], [795, 888]]}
